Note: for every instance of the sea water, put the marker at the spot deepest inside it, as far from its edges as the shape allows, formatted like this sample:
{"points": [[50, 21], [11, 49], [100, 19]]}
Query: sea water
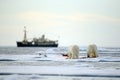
{"points": [[49, 64]]}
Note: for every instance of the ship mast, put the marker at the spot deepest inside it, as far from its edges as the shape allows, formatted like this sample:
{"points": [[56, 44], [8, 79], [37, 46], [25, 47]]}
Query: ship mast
{"points": [[25, 35]]}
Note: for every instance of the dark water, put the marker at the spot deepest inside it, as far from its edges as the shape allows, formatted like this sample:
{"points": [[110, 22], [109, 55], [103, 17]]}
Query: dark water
{"points": [[27, 64]]}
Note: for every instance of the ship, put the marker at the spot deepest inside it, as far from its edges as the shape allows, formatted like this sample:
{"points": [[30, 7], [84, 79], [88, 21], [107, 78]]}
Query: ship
{"points": [[36, 42]]}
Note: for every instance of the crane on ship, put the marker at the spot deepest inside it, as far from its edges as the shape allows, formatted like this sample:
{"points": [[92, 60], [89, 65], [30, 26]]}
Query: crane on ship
{"points": [[25, 36]]}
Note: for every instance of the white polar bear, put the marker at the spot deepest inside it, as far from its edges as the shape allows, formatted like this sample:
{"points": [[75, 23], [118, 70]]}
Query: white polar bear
{"points": [[73, 52], [92, 51]]}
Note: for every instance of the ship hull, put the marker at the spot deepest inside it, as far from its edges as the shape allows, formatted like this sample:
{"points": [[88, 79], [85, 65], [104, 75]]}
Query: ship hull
{"points": [[29, 44]]}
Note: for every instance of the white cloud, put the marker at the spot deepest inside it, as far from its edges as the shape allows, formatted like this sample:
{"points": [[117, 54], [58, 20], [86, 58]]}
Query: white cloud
{"points": [[47, 19], [51, 19], [92, 18]]}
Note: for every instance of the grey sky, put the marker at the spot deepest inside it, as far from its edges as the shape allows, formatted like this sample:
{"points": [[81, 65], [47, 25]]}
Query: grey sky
{"points": [[79, 22]]}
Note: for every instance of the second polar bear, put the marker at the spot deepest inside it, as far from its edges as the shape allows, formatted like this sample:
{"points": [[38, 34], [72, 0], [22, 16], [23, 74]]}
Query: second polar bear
{"points": [[92, 51]]}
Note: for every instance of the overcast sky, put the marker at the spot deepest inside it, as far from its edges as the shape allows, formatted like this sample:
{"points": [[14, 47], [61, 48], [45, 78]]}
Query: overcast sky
{"points": [[80, 22]]}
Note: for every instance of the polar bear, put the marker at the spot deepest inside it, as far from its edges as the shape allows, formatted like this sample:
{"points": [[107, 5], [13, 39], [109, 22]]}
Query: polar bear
{"points": [[73, 52], [92, 51]]}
